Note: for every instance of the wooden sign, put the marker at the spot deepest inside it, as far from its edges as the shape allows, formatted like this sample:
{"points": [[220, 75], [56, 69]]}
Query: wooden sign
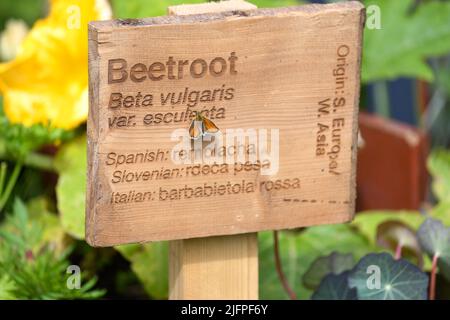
{"points": [[280, 85]]}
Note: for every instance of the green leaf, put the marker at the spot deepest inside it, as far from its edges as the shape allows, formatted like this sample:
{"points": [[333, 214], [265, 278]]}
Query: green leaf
{"points": [[439, 167], [17, 141], [298, 250], [21, 213], [71, 188], [335, 287], [406, 39], [335, 263], [53, 232], [152, 8], [441, 212], [150, 263], [28, 10], [31, 268], [367, 222], [11, 238], [434, 238], [19, 230], [380, 277], [394, 234], [7, 287]]}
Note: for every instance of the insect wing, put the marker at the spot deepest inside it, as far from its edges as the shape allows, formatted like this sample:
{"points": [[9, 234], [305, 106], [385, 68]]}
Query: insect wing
{"points": [[195, 129], [209, 126]]}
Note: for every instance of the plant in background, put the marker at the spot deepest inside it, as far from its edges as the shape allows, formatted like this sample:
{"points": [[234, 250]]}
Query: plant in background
{"points": [[44, 87], [435, 241], [6, 187], [377, 276], [31, 268], [409, 34], [398, 279], [413, 41], [343, 261]]}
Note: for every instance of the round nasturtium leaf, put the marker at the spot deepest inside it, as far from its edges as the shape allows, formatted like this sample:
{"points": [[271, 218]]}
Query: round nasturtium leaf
{"points": [[378, 276], [392, 234], [298, 250], [335, 287], [434, 238], [334, 263]]}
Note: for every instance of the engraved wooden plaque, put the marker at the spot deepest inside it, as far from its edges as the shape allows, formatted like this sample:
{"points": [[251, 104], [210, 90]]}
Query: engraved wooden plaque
{"points": [[282, 86]]}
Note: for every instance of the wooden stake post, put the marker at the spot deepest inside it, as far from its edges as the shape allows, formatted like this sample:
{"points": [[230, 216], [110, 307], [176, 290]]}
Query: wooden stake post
{"points": [[288, 75], [223, 267]]}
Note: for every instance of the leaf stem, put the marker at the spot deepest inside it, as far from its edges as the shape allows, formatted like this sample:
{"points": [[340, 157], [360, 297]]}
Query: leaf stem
{"points": [[40, 161], [432, 293], [3, 167], [279, 268], [398, 251], [10, 185], [35, 160]]}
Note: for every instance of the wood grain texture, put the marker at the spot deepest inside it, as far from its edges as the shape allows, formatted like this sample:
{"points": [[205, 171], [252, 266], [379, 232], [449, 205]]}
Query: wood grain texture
{"points": [[224, 267], [221, 6], [286, 61]]}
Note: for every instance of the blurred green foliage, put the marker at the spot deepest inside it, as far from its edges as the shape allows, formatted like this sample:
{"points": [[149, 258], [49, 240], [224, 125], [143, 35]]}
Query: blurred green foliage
{"points": [[298, 250], [17, 141], [439, 166], [145, 8], [406, 38], [27, 10], [71, 164], [150, 263], [334, 263], [30, 268]]}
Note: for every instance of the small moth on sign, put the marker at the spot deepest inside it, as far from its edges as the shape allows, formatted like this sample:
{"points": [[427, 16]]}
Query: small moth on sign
{"points": [[201, 125], [274, 95]]}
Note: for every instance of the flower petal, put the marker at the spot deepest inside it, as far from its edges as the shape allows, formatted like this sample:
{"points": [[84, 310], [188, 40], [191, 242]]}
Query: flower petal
{"points": [[47, 82]]}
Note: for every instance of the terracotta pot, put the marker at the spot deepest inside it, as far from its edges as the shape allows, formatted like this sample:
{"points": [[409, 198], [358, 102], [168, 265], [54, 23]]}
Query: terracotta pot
{"points": [[391, 170]]}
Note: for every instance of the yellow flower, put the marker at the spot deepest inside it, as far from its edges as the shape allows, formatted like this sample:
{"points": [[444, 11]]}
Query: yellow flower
{"points": [[47, 82]]}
